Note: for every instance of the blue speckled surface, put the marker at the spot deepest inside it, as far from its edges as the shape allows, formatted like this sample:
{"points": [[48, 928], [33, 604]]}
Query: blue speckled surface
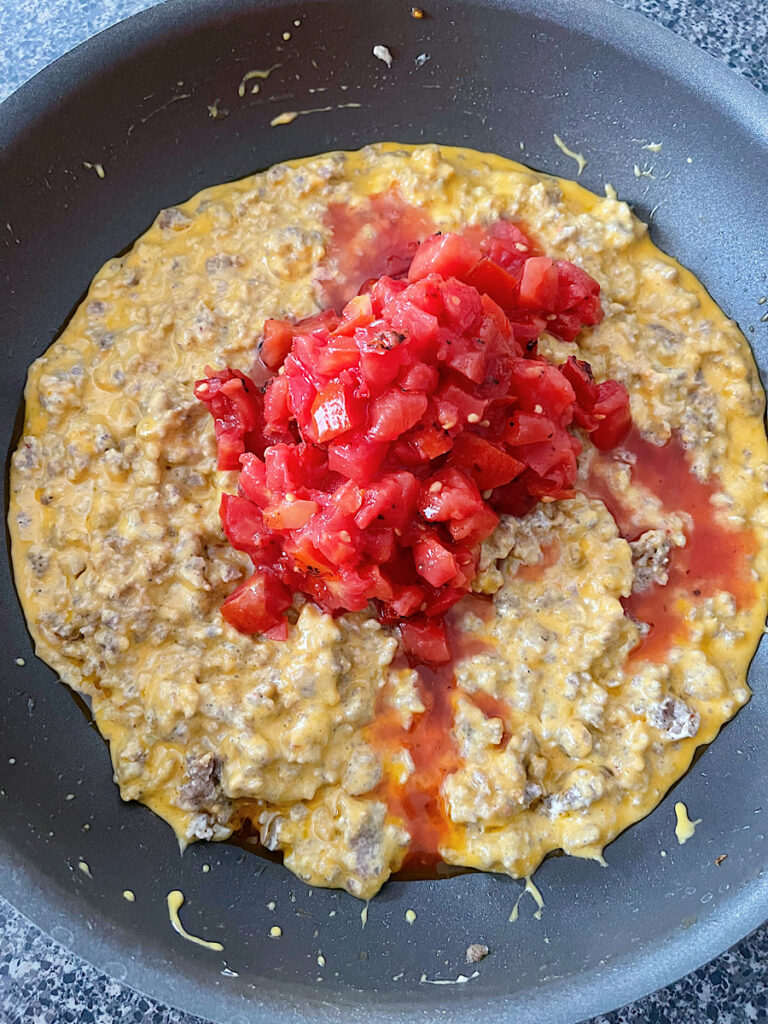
{"points": [[40, 983]]}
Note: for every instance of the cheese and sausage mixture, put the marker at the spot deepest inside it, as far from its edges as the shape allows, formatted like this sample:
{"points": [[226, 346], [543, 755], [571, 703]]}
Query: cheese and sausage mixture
{"points": [[591, 670]]}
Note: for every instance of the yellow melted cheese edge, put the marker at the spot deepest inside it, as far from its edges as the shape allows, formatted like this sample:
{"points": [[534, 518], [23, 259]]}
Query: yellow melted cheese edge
{"points": [[744, 433]]}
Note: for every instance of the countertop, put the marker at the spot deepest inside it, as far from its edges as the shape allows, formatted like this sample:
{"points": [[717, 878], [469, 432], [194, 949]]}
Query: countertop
{"points": [[40, 982]]}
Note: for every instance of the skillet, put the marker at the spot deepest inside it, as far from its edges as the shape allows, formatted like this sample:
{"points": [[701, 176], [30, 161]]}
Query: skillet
{"points": [[135, 99]]}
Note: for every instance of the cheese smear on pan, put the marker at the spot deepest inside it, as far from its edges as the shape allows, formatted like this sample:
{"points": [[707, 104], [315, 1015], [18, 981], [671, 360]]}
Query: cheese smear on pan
{"points": [[684, 828], [175, 902]]}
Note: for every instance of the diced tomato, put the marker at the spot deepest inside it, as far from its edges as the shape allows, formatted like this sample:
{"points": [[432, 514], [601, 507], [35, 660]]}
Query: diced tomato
{"points": [[419, 377], [257, 605], [440, 600], [356, 458], [358, 312], [488, 464], [538, 285], [475, 527], [242, 398], [529, 428], [468, 407], [508, 244], [527, 329], [306, 558], [462, 307], [327, 320], [446, 255], [383, 293], [496, 327], [339, 354], [395, 412], [552, 461], [278, 338], [579, 375], [277, 410], [252, 481], [335, 536], [601, 409], [348, 498], [578, 301], [289, 515], [425, 640], [449, 494], [244, 526], [379, 546], [377, 585], [304, 355], [573, 285], [433, 560], [346, 590], [538, 385], [362, 464], [515, 499], [235, 403], [278, 632], [416, 323], [301, 392], [292, 468], [390, 500], [405, 601], [380, 357], [379, 369], [566, 325], [496, 282], [424, 442], [335, 410], [231, 446], [613, 414]]}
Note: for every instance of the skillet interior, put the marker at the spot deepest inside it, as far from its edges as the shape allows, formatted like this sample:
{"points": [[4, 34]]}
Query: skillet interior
{"points": [[498, 75]]}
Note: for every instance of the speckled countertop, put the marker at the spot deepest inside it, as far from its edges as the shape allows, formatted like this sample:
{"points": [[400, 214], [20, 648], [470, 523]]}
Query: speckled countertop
{"points": [[40, 982]]}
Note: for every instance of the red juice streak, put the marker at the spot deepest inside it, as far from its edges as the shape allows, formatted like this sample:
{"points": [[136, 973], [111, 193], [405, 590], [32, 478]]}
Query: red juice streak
{"points": [[715, 557], [466, 645], [418, 802], [549, 555], [380, 236]]}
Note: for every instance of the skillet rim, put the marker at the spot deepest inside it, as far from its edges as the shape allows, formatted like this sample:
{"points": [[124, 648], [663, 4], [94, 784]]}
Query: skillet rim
{"points": [[625, 31]]}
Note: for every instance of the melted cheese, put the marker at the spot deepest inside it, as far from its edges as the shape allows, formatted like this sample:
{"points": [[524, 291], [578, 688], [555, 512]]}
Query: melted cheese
{"points": [[175, 902], [256, 73], [531, 888], [461, 980], [684, 828], [581, 162], [121, 565]]}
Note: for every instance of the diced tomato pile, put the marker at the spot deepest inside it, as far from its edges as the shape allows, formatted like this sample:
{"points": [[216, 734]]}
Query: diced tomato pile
{"points": [[392, 436]]}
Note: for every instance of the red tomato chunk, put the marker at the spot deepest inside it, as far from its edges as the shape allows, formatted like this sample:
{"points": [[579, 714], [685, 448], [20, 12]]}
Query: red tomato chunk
{"points": [[380, 455]]}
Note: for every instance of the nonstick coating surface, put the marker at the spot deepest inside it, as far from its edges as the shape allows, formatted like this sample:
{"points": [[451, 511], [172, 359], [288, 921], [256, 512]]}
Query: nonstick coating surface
{"points": [[498, 74]]}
